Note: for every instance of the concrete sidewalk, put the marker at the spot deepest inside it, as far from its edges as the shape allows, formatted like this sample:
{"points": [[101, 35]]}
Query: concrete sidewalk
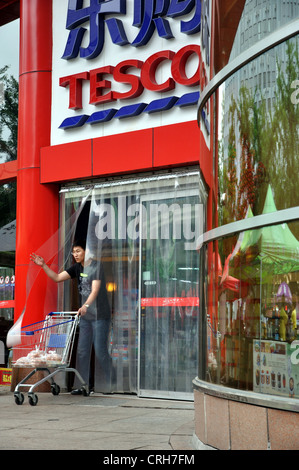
{"points": [[97, 422]]}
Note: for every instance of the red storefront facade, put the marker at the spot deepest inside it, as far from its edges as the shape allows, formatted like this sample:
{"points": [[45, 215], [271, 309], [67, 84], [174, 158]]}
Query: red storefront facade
{"points": [[44, 166], [41, 167], [73, 134]]}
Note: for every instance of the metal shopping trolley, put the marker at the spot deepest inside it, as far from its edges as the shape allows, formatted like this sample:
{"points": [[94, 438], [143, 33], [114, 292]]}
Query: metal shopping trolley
{"points": [[46, 345]]}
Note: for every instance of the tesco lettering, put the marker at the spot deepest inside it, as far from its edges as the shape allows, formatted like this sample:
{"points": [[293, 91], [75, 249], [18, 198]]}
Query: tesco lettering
{"points": [[101, 88]]}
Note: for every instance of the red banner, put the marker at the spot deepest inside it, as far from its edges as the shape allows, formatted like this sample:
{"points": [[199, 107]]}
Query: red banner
{"points": [[170, 302]]}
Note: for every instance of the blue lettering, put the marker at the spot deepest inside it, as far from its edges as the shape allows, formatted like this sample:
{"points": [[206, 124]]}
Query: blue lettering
{"points": [[179, 8], [95, 14], [149, 16]]}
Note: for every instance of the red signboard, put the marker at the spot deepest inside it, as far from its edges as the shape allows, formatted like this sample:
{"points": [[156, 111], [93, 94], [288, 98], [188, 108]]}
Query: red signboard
{"points": [[5, 376]]}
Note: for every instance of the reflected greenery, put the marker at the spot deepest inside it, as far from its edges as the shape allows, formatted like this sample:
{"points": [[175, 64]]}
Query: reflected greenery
{"points": [[251, 295], [261, 145], [252, 322]]}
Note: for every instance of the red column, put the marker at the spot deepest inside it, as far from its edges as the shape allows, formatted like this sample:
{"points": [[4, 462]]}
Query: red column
{"points": [[37, 204]]}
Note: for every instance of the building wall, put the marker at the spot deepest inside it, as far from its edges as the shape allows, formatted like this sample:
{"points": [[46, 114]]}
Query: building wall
{"points": [[232, 425], [44, 160], [164, 138], [245, 349]]}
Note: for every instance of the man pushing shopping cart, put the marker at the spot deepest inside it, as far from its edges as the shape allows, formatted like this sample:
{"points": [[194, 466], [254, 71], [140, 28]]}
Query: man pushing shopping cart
{"points": [[94, 313]]}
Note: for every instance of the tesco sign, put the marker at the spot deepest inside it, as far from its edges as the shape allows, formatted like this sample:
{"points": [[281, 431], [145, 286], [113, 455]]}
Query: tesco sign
{"points": [[94, 83], [147, 79]]}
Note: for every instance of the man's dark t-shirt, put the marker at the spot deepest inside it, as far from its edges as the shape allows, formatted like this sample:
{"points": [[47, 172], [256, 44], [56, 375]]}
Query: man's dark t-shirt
{"points": [[100, 308]]}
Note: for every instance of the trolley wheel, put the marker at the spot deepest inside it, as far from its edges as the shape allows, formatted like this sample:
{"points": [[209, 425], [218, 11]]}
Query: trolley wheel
{"points": [[19, 398], [85, 392], [55, 389], [33, 399]]}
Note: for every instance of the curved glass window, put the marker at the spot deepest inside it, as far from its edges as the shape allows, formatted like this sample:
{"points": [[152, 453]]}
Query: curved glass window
{"points": [[252, 310], [259, 135], [250, 286], [242, 24], [259, 19]]}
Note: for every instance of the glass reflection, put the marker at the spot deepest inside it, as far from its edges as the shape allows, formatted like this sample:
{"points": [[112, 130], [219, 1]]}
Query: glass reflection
{"points": [[252, 340], [250, 301], [259, 134], [240, 25]]}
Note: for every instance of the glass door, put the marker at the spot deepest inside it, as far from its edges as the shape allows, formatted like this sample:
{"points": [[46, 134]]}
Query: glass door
{"points": [[143, 231], [169, 294]]}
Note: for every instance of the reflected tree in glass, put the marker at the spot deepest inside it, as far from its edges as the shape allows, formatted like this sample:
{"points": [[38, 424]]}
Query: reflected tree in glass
{"points": [[262, 145]]}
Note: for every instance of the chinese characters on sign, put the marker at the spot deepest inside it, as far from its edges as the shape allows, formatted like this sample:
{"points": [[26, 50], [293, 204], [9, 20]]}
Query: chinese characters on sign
{"points": [[143, 21], [149, 16]]}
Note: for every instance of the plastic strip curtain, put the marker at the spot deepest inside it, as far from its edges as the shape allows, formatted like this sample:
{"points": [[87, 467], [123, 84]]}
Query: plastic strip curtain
{"points": [[169, 289], [112, 238], [53, 251], [143, 233]]}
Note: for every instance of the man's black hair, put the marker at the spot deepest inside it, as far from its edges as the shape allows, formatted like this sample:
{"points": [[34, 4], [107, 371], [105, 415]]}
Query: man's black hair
{"points": [[81, 243]]}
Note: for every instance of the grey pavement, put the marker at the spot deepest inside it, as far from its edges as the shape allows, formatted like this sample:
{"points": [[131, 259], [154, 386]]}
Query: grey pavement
{"points": [[98, 422]]}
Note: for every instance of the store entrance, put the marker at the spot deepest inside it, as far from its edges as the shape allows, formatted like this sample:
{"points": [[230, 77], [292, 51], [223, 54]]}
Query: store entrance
{"points": [[144, 233], [169, 296]]}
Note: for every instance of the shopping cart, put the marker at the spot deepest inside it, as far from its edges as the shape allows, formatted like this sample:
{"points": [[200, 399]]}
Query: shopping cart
{"points": [[46, 345]]}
